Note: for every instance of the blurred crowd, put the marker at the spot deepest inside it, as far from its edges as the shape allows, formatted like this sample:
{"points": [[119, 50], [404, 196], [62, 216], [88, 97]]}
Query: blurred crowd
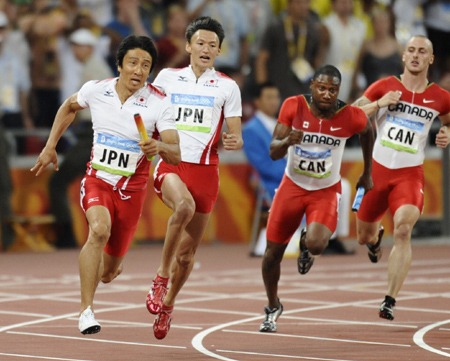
{"points": [[43, 54], [49, 48]]}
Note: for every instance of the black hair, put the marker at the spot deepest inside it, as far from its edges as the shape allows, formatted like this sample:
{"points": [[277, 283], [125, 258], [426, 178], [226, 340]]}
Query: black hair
{"points": [[205, 23], [258, 89], [329, 70], [136, 42]]}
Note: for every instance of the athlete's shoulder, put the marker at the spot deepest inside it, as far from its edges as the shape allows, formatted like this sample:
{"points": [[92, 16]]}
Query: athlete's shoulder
{"points": [[153, 90]]}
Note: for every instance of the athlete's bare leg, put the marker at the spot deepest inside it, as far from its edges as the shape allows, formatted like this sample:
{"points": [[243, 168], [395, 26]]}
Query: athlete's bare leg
{"points": [[367, 232], [271, 268], [317, 236], [400, 258], [177, 197], [91, 256], [112, 267], [185, 255]]}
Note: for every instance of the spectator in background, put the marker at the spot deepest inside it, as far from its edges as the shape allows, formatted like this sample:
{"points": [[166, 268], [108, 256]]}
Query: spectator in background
{"points": [[172, 47], [409, 19], [233, 59], [14, 88], [260, 14], [344, 37], [42, 27], [381, 55], [80, 64], [127, 21], [291, 48], [437, 23]]}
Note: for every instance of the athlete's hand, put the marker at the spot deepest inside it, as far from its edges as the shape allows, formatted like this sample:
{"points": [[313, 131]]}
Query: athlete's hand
{"points": [[150, 147], [365, 181], [390, 98], [231, 141], [442, 138], [47, 156], [295, 137]]}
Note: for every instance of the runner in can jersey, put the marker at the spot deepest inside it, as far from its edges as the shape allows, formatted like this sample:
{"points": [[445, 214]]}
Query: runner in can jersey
{"points": [[312, 131], [403, 109]]}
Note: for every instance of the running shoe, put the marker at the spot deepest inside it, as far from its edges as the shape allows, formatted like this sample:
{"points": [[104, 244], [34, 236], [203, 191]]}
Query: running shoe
{"points": [[375, 251], [87, 323], [272, 315], [162, 323], [387, 310], [305, 260], [156, 295]]}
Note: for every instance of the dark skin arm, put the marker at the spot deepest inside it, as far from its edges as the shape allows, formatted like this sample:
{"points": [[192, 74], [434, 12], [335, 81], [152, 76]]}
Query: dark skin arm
{"points": [[283, 138], [366, 139]]}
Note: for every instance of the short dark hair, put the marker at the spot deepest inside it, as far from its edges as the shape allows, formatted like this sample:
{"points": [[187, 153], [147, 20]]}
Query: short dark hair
{"points": [[136, 42], [258, 89], [329, 70], [205, 23]]}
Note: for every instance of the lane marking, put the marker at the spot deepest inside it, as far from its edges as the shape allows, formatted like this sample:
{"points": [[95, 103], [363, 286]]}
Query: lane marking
{"points": [[419, 335], [95, 340], [319, 338]]}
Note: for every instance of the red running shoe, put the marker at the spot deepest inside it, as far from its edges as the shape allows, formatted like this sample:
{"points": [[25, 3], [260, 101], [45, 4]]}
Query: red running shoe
{"points": [[156, 294], [162, 323]]}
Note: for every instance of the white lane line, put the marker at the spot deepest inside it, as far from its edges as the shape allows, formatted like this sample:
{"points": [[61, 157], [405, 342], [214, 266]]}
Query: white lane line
{"points": [[419, 335], [41, 357], [94, 340], [319, 338], [284, 356], [138, 324]]}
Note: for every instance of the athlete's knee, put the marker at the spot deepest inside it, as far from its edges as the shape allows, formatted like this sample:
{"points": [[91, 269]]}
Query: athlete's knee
{"points": [[99, 232], [185, 209], [316, 246], [402, 232], [273, 255]]}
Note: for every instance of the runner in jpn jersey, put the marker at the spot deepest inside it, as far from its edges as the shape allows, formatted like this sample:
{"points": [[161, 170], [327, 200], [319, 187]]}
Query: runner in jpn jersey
{"points": [[200, 107], [116, 157], [316, 162], [402, 129]]}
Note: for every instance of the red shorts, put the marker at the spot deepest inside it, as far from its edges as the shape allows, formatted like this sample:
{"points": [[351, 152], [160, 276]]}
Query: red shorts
{"points": [[392, 188], [125, 208], [292, 202], [201, 180]]}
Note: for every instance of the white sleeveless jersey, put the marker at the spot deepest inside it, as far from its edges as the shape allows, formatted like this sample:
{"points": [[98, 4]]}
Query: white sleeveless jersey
{"points": [[200, 106], [116, 158], [402, 129]]}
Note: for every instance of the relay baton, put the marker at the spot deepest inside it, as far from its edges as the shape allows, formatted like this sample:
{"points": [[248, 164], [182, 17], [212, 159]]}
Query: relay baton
{"points": [[358, 199], [142, 132]]}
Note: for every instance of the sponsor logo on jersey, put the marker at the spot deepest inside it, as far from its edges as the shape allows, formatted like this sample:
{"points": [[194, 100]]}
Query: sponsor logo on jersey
{"points": [[108, 93], [413, 110], [321, 139], [182, 78]]}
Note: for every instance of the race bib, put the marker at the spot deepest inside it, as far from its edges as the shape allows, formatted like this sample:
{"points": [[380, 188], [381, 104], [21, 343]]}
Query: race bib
{"points": [[313, 164], [402, 134], [193, 112], [115, 155]]}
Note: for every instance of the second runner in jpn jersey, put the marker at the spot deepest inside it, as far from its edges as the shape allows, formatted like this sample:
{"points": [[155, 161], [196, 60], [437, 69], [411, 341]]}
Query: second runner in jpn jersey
{"points": [[402, 129], [316, 162], [200, 106]]}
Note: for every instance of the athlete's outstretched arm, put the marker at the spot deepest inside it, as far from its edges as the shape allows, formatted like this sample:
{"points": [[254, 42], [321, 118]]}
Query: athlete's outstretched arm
{"points": [[370, 108], [64, 117], [366, 139], [283, 137]]}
